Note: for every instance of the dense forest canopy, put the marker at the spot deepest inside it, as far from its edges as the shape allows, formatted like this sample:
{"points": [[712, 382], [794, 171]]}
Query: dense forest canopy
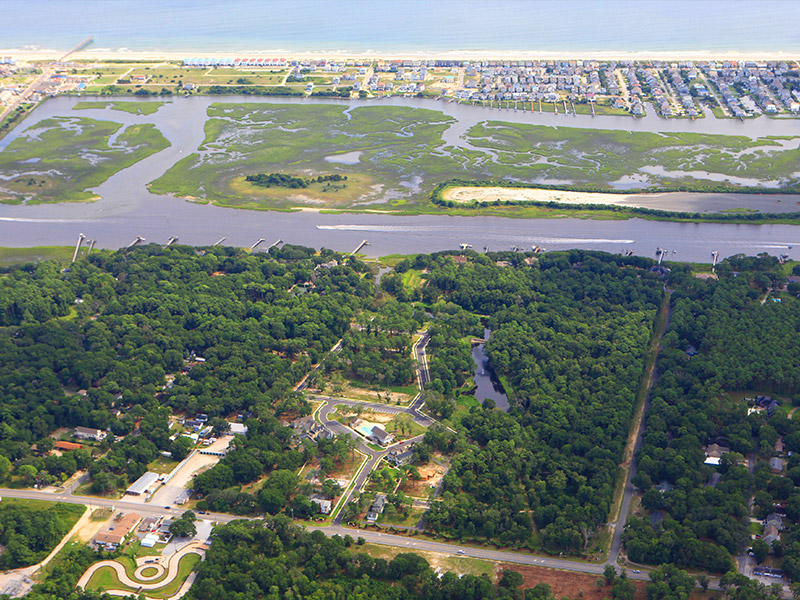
{"points": [[727, 339], [124, 341], [569, 332], [114, 325]]}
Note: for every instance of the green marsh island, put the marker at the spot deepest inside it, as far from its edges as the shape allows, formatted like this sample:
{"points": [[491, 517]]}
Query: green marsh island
{"points": [[60, 159], [394, 158]]}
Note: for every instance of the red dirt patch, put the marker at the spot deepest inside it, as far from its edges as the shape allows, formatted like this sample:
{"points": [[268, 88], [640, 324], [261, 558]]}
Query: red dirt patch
{"points": [[567, 583]]}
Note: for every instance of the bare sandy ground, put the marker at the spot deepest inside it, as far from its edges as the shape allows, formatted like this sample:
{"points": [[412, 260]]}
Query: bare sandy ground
{"points": [[465, 194]]}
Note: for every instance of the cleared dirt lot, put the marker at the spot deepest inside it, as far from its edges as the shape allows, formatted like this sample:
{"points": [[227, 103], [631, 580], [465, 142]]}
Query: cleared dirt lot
{"points": [[567, 583]]}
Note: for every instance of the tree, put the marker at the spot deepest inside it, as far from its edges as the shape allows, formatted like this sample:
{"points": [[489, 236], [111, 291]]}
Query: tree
{"points": [[511, 579], [609, 574], [184, 526], [703, 581], [760, 550], [28, 473], [623, 588], [5, 467], [669, 583], [181, 447]]}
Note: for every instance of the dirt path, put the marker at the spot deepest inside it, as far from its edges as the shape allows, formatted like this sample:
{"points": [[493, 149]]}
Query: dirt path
{"points": [[622, 497]]}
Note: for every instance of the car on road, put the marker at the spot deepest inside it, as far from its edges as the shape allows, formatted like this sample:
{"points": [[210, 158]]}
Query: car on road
{"points": [[460, 552], [636, 571], [167, 507]]}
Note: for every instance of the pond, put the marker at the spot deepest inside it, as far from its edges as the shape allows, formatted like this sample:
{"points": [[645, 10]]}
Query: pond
{"points": [[486, 385]]}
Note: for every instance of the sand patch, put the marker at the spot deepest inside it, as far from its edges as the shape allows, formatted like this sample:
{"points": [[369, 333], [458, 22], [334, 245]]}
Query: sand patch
{"points": [[464, 194]]}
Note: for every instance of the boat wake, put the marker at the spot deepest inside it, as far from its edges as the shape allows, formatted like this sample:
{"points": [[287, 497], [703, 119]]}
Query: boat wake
{"points": [[478, 233], [30, 220]]}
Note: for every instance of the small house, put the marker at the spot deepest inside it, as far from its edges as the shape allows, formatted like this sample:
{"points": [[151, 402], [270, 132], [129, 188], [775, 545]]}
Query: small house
{"points": [[377, 508], [87, 433], [114, 533], [380, 436], [400, 457], [323, 503]]}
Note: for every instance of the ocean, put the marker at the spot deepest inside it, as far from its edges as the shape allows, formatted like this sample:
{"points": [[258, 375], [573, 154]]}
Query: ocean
{"points": [[406, 26]]}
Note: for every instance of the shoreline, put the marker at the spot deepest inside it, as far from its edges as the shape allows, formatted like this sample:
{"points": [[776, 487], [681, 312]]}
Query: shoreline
{"points": [[466, 55]]}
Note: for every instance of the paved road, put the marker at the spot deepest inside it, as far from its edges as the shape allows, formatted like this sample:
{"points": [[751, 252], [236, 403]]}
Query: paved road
{"points": [[370, 536], [373, 456], [412, 410], [385, 539], [420, 355]]}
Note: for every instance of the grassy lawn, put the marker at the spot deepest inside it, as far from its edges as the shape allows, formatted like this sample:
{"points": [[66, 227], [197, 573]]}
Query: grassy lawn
{"points": [[162, 465], [167, 76], [412, 279], [463, 405], [100, 514], [86, 490], [10, 256], [135, 108], [136, 550], [397, 518], [405, 429], [336, 384], [48, 163]]}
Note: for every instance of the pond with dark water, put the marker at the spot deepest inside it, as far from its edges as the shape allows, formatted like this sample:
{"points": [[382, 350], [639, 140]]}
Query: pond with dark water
{"points": [[487, 387]]}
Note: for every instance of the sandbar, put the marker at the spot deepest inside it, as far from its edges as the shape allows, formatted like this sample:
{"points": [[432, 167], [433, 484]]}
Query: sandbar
{"points": [[710, 202]]}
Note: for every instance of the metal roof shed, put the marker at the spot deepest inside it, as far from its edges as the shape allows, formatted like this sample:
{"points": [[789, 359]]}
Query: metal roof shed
{"points": [[141, 485]]}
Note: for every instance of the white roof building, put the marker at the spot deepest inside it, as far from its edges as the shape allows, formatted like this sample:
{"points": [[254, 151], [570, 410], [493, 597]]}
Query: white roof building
{"points": [[143, 484]]}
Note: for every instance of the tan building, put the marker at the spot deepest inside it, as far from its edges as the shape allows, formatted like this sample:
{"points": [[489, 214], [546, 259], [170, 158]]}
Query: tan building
{"points": [[115, 532]]}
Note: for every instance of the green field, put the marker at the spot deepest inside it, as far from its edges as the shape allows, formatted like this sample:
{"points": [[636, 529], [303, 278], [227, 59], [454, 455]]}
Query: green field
{"points": [[10, 256], [135, 108], [60, 158]]}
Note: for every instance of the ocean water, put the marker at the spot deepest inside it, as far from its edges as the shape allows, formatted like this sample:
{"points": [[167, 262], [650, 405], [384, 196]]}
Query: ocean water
{"points": [[407, 26]]}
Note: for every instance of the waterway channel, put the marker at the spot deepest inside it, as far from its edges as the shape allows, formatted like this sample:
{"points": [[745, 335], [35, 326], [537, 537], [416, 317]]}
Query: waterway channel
{"points": [[128, 209]]}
